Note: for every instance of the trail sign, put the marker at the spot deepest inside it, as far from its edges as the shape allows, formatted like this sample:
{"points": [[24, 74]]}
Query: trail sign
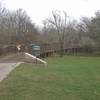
{"points": [[35, 47]]}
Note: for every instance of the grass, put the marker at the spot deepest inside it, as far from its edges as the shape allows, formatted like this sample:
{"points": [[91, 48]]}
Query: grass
{"points": [[67, 78]]}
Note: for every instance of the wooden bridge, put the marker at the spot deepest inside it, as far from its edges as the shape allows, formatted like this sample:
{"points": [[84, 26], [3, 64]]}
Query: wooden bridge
{"points": [[45, 49]]}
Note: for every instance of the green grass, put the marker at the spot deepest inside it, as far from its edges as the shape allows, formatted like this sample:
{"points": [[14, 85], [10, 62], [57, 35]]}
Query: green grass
{"points": [[67, 78]]}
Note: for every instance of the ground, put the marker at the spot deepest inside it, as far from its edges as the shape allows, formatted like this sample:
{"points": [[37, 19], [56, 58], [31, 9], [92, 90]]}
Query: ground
{"points": [[67, 78]]}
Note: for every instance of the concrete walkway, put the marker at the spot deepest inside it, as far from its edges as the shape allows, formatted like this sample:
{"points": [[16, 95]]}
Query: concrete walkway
{"points": [[6, 68], [9, 63]]}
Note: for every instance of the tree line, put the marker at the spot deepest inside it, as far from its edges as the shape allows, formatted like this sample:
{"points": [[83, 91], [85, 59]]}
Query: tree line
{"points": [[71, 33], [17, 27]]}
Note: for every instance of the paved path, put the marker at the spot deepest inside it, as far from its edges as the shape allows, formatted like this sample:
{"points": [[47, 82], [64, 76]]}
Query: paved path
{"points": [[6, 68], [12, 58], [7, 64]]}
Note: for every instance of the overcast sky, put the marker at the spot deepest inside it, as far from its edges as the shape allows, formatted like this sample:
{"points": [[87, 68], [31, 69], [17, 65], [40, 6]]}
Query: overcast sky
{"points": [[38, 10]]}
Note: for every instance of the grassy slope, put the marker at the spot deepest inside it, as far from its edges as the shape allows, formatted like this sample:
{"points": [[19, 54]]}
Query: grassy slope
{"points": [[67, 78]]}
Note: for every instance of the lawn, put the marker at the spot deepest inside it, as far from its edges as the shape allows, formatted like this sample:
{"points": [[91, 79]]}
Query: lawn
{"points": [[67, 78]]}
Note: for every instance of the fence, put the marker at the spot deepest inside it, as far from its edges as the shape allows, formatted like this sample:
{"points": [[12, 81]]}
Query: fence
{"points": [[45, 49]]}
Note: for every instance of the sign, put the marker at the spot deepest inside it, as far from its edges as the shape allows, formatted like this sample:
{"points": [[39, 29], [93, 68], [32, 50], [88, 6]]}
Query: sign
{"points": [[35, 47]]}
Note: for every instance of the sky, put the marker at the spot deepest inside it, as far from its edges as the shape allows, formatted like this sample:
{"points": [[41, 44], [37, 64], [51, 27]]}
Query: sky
{"points": [[38, 10]]}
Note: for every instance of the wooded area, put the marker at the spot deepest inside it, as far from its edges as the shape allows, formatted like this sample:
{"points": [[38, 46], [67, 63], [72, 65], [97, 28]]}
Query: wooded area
{"points": [[16, 27]]}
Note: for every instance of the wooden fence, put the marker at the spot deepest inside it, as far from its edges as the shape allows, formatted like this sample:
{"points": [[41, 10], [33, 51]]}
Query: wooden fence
{"points": [[45, 49]]}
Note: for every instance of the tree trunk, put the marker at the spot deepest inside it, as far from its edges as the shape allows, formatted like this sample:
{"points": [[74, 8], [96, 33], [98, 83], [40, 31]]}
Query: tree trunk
{"points": [[61, 49]]}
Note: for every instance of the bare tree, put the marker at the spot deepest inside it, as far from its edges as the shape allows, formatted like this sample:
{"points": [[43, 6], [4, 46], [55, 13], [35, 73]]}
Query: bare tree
{"points": [[25, 30], [59, 23], [16, 27]]}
